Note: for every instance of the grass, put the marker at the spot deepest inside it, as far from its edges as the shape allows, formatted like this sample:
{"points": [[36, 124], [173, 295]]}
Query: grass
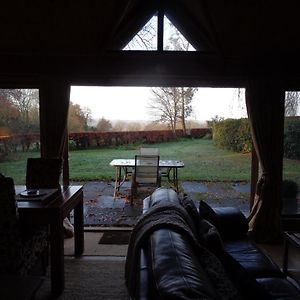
{"points": [[202, 161]]}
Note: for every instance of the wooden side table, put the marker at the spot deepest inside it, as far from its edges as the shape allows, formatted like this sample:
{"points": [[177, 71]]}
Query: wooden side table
{"points": [[53, 214], [290, 238]]}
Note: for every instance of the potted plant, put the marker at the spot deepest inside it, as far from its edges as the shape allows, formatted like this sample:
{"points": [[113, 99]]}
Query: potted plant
{"points": [[289, 197]]}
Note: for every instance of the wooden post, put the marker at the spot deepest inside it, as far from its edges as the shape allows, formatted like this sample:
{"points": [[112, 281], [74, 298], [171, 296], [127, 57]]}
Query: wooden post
{"points": [[66, 174], [160, 29]]}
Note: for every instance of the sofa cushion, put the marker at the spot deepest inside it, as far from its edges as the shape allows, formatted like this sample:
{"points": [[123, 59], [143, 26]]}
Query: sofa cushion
{"points": [[230, 221], [280, 288], [175, 268], [251, 258], [209, 236], [248, 287]]}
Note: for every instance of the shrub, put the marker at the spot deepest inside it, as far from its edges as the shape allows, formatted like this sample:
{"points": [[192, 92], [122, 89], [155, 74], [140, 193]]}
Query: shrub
{"points": [[72, 145], [292, 138], [289, 189], [233, 134]]}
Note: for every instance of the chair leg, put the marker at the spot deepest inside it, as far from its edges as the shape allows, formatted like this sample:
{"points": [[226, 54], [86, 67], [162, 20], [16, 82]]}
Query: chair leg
{"points": [[133, 192]]}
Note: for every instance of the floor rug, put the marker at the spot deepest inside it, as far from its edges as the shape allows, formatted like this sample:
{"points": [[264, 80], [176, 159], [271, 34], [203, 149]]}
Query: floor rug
{"points": [[93, 248], [90, 279], [115, 237]]}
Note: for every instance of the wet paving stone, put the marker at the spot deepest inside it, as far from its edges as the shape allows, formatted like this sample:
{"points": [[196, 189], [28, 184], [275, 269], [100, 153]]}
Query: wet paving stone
{"points": [[101, 209]]}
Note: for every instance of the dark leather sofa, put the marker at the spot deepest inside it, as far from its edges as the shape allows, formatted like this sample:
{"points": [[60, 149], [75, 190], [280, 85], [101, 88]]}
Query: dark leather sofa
{"points": [[164, 262]]}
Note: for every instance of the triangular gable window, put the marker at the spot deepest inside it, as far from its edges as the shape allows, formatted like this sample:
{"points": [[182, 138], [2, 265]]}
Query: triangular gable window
{"points": [[174, 39], [147, 38]]}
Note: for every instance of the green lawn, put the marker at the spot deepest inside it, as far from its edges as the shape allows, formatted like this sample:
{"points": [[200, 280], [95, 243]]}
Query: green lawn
{"points": [[202, 162]]}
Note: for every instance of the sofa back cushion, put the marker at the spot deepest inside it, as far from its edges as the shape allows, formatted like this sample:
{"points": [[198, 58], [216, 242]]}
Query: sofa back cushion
{"points": [[230, 221], [210, 237]]}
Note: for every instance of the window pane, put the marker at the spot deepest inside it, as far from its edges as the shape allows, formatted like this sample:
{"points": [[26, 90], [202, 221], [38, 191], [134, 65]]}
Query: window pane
{"points": [[19, 131], [291, 160], [173, 39], [146, 38]]}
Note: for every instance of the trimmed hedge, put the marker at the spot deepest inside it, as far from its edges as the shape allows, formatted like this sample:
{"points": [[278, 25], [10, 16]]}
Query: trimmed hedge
{"points": [[292, 137], [233, 135], [85, 140]]}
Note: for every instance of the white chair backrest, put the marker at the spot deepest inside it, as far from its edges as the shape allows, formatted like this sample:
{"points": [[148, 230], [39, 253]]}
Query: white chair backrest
{"points": [[149, 151], [146, 169]]}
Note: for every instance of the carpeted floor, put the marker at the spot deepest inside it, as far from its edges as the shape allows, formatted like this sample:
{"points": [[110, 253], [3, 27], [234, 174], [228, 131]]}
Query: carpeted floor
{"points": [[92, 246], [90, 278]]}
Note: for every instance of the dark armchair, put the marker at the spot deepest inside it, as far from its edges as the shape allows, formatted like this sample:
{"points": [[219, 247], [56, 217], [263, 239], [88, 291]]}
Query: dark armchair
{"points": [[43, 173]]}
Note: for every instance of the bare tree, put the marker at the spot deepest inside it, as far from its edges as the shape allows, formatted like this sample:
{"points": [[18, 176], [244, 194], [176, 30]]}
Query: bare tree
{"points": [[292, 100], [87, 116], [9, 116], [175, 40], [172, 105], [104, 125], [119, 126], [186, 95], [145, 39], [134, 126], [26, 101], [165, 106]]}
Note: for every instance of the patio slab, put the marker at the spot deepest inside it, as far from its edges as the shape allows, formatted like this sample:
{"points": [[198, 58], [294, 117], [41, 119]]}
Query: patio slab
{"points": [[101, 209]]}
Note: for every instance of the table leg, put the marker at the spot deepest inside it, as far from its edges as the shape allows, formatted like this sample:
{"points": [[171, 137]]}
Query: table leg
{"points": [[57, 256], [176, 179], [79, 227], [117, 181]]}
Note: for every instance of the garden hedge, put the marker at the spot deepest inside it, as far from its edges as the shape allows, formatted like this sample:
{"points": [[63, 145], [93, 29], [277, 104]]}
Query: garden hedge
{"points": [[292, 138], [233, 135]]}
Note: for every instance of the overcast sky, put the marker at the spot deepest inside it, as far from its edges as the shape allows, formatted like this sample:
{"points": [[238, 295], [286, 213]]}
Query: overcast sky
{"points": [[131, 103]]}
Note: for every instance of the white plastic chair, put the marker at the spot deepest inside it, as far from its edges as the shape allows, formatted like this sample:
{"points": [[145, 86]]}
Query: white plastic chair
{"points": [[146, 173]]}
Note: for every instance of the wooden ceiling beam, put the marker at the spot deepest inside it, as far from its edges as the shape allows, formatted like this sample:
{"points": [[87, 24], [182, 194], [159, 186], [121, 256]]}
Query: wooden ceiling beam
{"points": [[149, 68]]}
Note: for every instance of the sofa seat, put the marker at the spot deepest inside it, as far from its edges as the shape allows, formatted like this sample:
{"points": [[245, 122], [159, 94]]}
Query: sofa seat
{"points": [[280, 288], [252, 259]]}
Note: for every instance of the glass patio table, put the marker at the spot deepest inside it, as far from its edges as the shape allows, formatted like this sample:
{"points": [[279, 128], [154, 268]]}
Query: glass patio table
{"points": [[123, 168]]}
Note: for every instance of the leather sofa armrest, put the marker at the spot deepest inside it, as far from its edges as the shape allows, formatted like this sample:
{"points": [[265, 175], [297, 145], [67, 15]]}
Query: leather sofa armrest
{"points": [[159, 196], [175, 268]]}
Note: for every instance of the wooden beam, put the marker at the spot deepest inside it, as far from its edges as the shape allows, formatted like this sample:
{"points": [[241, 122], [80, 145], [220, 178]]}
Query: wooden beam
{"points": [[147, 68], [160, 29]]}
